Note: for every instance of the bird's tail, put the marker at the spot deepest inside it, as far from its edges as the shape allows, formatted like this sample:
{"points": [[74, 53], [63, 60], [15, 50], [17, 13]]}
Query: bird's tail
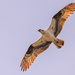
{"points": [[58, 43]]}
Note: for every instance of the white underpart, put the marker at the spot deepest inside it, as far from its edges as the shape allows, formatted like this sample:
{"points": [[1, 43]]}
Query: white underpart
{"points": [[49, 36]]}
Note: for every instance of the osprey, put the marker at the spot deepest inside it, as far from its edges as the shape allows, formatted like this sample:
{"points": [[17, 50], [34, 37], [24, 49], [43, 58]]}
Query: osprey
{"points": [[48, 36]]}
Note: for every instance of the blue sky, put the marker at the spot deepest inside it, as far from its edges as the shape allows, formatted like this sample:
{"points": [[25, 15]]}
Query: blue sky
{"points": [[19, 22]]}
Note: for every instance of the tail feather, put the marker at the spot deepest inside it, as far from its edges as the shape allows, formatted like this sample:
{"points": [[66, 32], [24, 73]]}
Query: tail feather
{"points": [[58, 43]]}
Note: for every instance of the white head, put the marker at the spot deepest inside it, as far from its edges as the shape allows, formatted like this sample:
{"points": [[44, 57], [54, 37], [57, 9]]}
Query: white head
{"points": [[41, 31]]}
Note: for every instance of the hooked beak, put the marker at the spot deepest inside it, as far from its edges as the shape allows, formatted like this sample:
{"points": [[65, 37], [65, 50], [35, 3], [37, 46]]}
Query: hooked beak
{"points": [[39, 30]]}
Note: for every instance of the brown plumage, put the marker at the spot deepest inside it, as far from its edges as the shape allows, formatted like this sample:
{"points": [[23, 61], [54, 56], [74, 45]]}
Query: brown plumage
{"points": [[48, 36], [61, 17]]}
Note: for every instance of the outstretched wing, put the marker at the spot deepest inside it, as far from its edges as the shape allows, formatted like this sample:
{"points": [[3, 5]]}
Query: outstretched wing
{"points": [[33, 51], [59, 19]]}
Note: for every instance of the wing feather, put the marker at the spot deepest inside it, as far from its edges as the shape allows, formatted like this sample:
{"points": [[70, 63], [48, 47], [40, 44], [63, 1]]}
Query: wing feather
{"points": [[41, 45], [59, 19], [33, 51]]}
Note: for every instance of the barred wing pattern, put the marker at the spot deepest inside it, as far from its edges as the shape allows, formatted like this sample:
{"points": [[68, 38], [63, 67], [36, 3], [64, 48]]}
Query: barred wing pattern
{"points": [[41, 45], [34, 50], [59, 19]]}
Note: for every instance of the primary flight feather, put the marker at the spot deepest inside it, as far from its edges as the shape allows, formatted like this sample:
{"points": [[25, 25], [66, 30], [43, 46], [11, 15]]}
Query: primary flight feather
{"points": [[48, 36]]}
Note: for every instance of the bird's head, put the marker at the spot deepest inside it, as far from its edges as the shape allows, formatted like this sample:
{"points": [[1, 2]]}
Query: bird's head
{"points": [[41, 31]]}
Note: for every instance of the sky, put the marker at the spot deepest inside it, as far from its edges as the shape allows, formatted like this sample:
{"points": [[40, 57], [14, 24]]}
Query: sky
{"points": [[19, 24]]}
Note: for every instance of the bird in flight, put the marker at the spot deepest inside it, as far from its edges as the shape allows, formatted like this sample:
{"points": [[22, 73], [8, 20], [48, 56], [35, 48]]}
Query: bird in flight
{"points": [[48, 36]]}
